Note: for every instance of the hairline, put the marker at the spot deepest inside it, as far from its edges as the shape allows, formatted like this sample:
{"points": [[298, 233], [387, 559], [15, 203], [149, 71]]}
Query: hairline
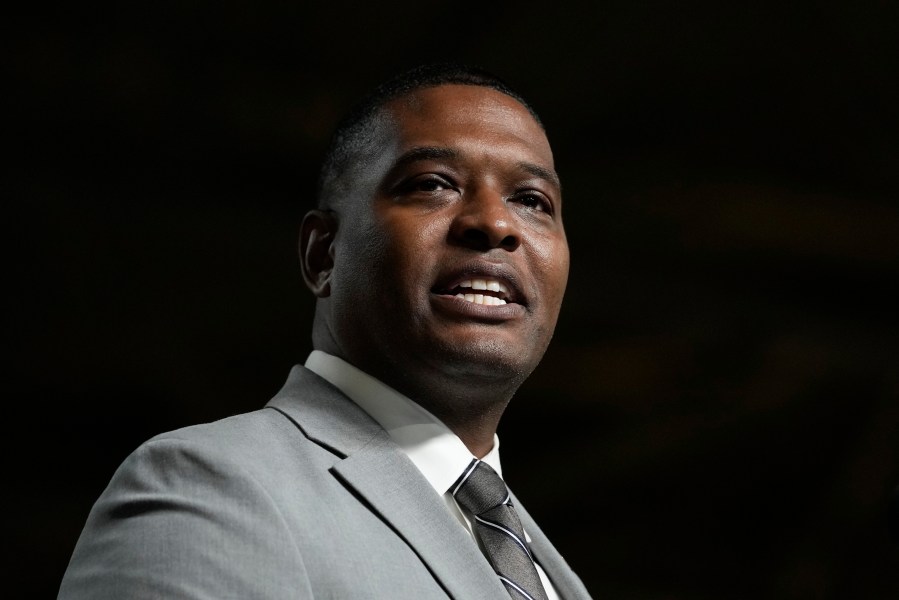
{"points": [[349, 142]]}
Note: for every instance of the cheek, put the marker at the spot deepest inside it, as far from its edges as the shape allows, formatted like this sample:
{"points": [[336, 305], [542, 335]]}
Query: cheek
{"points": [[386, 266], [411, 246], [359, 250], [551, 260]]}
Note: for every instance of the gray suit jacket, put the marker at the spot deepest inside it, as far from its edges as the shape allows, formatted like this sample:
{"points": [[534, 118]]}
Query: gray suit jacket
{"points": [[306, 498]]}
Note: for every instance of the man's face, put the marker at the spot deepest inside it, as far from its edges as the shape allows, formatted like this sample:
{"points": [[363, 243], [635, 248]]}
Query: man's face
{"points": [[458, 194]]}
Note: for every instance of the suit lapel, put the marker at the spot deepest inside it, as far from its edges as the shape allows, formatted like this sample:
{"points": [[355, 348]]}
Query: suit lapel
{"points": [[375, 469], [394, 488]]}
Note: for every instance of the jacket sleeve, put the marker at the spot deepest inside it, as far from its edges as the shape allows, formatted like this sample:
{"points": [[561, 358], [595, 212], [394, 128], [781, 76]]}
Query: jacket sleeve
{"points": [[179, 520]]}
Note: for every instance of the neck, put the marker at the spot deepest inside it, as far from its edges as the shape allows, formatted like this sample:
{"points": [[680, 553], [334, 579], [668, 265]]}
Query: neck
{"points": [[468, 396], [469, 406], [476, 428]]}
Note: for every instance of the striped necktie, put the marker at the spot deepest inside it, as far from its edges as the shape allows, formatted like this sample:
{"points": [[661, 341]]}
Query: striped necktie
{"points": [[481, 491]]}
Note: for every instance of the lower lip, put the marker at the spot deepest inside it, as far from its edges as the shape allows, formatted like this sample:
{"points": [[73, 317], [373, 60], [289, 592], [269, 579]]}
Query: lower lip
{"points": [[482, 312]]}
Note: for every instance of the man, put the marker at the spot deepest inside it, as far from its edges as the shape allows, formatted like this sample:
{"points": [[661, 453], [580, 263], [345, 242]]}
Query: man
{"points": [[439, 260]]}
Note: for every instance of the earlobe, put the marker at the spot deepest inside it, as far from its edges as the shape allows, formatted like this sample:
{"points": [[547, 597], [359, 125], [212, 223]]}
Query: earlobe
{"points": [[317, 234]]}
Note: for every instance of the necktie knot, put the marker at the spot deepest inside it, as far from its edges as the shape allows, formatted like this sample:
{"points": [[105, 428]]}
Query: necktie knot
{"points": [[480, 489]]}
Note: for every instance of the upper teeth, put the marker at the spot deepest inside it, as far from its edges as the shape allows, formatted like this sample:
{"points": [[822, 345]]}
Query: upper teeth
{"points": [[483, 284]]}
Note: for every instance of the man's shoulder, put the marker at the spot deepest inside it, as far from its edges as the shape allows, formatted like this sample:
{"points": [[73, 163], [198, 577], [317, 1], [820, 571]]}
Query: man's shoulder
{"points": [[249, 479], [251, 446], [239, 436], [308, 423], [278, 420], [252, 441], [248, 428]]}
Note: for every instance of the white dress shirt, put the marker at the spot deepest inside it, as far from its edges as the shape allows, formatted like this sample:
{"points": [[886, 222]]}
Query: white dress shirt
{"points": [[435, 450]]}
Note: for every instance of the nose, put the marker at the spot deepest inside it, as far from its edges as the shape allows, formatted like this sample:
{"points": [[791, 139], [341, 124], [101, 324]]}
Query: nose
{"points": [[484, 222]]}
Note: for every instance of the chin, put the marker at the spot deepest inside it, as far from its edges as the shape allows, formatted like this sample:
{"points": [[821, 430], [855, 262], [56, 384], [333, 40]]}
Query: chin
{"points": [[486, 360]]}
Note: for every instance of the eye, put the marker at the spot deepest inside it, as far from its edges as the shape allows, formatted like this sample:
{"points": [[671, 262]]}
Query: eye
{"points": [[534, 201], [428, 183]]}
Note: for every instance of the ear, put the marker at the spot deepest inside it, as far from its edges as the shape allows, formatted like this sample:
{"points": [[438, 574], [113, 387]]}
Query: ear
{"points": [[317, 250]]}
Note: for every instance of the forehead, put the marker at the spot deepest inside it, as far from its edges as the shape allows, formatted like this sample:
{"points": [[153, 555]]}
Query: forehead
{"points": [[475, 118]]}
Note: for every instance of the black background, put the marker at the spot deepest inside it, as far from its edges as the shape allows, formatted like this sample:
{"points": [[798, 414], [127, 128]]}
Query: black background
{"points": [[718, 414]]}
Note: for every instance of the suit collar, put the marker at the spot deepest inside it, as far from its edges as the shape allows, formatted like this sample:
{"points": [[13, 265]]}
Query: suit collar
{"points": [[388, 481], [437, 452], [324, 414], [375, 469]]}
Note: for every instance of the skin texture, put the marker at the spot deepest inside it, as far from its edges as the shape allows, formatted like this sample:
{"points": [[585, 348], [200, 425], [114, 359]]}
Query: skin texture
{"points": [[458, 183]]}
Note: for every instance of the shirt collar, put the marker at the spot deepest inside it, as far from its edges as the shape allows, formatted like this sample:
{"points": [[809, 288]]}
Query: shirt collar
{"points": [[434, 449]]}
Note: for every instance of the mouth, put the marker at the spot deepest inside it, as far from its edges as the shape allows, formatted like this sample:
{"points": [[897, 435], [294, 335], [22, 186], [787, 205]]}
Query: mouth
{"points": [[490, 286], [489, 292]]}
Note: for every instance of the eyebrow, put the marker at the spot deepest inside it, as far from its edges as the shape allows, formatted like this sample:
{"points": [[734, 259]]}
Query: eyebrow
{"points": [[442, 153], [541, 172], [424, 153]]}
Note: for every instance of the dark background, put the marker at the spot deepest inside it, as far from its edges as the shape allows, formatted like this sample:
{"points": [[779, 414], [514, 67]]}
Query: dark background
{"points": [[717, 415]]}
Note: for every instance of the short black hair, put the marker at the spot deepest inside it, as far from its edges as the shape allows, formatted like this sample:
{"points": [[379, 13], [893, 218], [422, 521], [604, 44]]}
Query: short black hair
{"points": [[356, 128]]}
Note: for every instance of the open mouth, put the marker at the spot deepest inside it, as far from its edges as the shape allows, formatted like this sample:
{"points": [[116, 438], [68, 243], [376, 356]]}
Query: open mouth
{"points": [[484, 291]]}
